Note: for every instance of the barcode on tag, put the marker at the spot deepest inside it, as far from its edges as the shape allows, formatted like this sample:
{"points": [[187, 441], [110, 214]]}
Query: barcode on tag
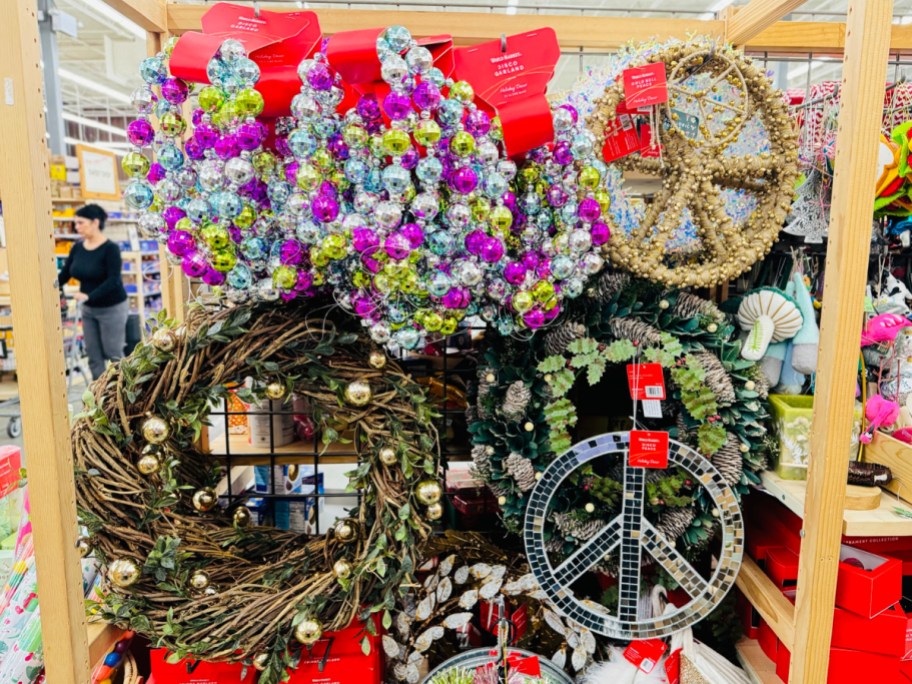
{"points": [[655, 392], [652, 408]]}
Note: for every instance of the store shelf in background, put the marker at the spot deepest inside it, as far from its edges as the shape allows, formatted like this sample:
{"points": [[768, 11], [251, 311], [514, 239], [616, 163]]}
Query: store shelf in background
{"points": [[244, 453], [879, 522], [759, 668], [67, 200], [102, 637]]}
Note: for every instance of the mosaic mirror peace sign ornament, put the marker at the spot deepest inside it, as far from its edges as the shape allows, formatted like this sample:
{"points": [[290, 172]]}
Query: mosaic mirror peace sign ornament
{"points": [[630, 538]]}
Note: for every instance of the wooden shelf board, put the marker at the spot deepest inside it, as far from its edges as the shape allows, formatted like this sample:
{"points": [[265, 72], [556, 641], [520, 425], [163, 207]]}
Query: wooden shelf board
{"points": [[879, 522], [102, 637], [67, 200], [759, 668], [243, 453]]}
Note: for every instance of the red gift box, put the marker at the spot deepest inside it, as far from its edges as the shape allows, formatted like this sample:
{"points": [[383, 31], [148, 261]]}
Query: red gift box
{"points": [[884, 634], [867, 584], [276, 41], [769, 642], [759, 543], [189, 671], [849, 667], [337, 658], [750, 618], [782, 567]]}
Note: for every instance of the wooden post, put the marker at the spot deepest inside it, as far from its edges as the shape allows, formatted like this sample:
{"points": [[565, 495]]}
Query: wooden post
{"points": [[864, 73], [25, 180]]}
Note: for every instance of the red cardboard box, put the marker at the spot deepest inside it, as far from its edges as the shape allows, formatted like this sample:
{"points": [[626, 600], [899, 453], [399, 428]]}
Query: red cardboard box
{"points": [[750, 618], [337, 658], [782, 567], [769, 642], [884, 634], [759, 543], [849, 667], [867, 584], [190, 671]]}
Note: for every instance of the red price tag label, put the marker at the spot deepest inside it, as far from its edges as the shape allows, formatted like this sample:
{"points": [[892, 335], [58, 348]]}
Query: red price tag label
{"points": [[648, 449], [621, 138], [673, 667], [645, 655], [646, 85], [646, 381]]}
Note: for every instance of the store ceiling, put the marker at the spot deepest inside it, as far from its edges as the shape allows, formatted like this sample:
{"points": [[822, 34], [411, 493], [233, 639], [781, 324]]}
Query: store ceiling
{"points": [[98, 67]]}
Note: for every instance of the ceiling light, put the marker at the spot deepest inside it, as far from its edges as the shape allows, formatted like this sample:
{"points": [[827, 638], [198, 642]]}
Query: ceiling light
{"points": [[74, 142], [92, 85], [511, 6], [92, 123], [99, 7]]}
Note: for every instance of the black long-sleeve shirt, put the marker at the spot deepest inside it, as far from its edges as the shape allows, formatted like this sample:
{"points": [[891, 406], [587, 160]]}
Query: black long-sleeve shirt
{"points": [[98, 272]]}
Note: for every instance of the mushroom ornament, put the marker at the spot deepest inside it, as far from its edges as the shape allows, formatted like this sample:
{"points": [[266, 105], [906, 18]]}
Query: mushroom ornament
{"points": [[769, 315]]}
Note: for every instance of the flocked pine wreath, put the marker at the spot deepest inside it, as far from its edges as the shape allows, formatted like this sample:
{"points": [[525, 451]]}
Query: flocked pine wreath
{"points": [[524, 413]]}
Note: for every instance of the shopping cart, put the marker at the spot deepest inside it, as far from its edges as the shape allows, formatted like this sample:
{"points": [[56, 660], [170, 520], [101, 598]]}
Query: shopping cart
{"points": [[74, 343]]}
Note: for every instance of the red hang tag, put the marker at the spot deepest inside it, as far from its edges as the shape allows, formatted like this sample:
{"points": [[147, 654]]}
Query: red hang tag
{"points": [[621, 138], [673, 667], [276, 41], [645, 655], [646, 381], [646, 85], [520, 620], [648, 449], [512, 83]]}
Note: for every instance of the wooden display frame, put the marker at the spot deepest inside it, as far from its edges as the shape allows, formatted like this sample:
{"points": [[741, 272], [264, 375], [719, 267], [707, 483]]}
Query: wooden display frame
{"points": [[865, 38], [85, 180]]}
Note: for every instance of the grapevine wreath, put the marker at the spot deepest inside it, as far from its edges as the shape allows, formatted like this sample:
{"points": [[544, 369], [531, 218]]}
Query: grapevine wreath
{"points": [[728, 163], [524, 410], [200, 580]]}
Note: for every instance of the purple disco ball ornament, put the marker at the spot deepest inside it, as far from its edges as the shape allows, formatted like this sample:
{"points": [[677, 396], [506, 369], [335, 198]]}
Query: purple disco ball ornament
{"points": [[140, 132], [194, 265]]}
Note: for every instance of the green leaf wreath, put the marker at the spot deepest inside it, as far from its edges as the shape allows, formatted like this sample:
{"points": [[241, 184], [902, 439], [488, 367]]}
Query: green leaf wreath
{"points": [[524, 414], [199, 580]]}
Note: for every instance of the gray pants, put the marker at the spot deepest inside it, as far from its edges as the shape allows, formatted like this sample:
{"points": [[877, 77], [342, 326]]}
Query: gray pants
{"points": [[105, 330]]}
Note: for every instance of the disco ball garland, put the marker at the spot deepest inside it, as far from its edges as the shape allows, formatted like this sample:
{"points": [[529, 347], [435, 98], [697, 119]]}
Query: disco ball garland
{"points": [[406, 205]]}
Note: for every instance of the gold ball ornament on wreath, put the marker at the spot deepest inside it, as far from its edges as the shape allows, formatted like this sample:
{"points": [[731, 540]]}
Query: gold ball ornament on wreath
{"points": [[275, 390], [260, 661], [155, 430], [148, 464], [388, 456], [277, 568], [358, 393], [428, 492], [199, 580], [342, 569], [377, 360], [123, 573], [164, 340], [723, 95], [83, 547], [241, 516], [308, 631], [435, 511], [346, 530], [204, 500]]}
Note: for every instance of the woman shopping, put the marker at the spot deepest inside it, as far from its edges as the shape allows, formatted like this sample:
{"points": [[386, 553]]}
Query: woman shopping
{"points": [[95, 262]]}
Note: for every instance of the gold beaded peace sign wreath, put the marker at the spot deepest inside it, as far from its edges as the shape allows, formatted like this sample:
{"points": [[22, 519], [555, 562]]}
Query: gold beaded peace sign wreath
{"points": [[714, 93]]}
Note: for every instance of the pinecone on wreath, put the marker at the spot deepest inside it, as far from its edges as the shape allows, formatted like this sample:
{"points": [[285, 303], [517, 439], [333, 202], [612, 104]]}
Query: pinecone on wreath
{"points": [[580, 529], [690, 305], [557, 340], [729, 460], [717, 379], [516, 400], [520, 469], [674, 522], [608, 285], [635, 331], [481, 461]]}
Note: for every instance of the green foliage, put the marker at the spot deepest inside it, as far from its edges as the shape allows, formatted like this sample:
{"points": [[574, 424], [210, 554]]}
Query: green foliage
{"points": [[607, 490], [710, 438], [620, 351], [668, 492]]}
